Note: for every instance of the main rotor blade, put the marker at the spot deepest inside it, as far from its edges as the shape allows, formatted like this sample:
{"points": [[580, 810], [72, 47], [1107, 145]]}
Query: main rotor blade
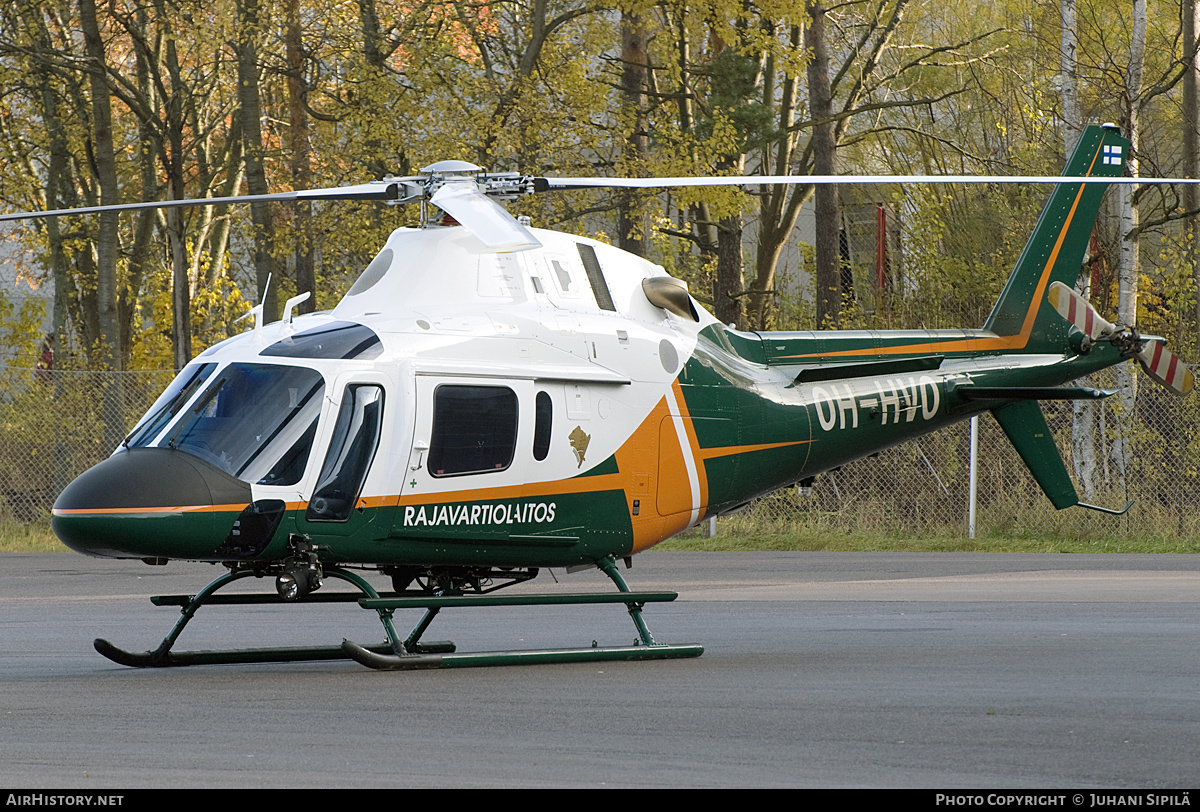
{"points": [[483, 217], [1165, 367], [376, 190], [772, 180], [1075, 309]]}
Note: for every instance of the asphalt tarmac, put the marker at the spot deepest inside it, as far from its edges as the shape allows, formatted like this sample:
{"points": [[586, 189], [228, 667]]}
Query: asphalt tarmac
{"points": [[941, 671]]}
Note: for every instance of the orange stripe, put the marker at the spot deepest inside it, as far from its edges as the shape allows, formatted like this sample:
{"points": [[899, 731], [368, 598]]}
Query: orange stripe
{"points": [[603, 482], [730, 450], [164, 510]]}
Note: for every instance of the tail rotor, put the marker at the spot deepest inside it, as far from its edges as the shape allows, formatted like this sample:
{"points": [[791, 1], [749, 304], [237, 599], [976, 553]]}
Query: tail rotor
{"points": [[1159, 363], [1165, 367]]}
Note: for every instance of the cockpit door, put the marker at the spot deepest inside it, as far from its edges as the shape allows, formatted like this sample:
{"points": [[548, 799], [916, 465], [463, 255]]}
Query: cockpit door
{"points": [[338, 504]]}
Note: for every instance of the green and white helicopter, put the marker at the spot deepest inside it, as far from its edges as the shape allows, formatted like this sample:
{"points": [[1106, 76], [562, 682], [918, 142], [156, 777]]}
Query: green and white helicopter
{"points": [[490, 399]]}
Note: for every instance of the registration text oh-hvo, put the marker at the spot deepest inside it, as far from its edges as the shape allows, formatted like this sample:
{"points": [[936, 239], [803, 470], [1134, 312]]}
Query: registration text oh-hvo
{"points": [[893, 401]]}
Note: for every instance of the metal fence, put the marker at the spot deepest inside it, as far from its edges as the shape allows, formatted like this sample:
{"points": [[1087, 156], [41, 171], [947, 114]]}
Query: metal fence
{"points": [[54, 425]]}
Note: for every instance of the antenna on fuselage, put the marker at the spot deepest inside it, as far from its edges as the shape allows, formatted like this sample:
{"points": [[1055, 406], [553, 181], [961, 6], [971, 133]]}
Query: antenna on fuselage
{"points": [[257, 310], [290, 304]]}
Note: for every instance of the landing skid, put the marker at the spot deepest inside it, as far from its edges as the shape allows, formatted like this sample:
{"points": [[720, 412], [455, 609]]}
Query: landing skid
{"points": [[411, 653], [377, 659]]}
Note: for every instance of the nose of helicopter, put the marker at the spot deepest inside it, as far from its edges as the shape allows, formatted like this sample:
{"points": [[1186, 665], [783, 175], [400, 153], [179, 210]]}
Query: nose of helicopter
{"points": [[150, 503]]}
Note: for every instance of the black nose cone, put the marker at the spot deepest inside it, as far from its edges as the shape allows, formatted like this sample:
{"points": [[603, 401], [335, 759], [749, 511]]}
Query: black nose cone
{"points": [[150, 503]]}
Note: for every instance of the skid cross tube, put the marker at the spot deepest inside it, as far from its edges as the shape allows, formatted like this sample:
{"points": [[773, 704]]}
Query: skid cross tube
{"points": [[423, 657]]}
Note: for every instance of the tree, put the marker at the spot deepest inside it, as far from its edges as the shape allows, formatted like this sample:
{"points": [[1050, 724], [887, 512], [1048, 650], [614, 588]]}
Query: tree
{"points": [[1190, 108], [827, 267], [106, 176], [1085, 414], [633, 223], [250, 28], [297, 91]]}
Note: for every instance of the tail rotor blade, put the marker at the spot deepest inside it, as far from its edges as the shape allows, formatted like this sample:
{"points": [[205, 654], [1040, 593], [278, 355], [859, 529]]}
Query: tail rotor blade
{"points": [[1165, 367], [1075, 309]]}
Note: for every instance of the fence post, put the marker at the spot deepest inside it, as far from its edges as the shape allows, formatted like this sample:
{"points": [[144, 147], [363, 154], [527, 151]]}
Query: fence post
{"points": [[974, 479]]}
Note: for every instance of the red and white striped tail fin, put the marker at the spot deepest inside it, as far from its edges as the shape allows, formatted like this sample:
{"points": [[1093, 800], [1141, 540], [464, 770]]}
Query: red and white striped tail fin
{"points": [[1075, 309], [1165, 367]]}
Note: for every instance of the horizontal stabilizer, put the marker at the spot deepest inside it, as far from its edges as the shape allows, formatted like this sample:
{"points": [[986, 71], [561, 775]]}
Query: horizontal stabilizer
{"points": [[1025, 426]]}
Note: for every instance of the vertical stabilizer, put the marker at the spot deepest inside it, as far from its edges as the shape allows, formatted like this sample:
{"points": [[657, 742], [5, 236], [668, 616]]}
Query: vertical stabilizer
{"points": [[1056, 248], [1025, 426]]}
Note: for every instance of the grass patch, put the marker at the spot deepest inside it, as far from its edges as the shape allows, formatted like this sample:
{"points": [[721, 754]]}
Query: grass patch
{"points": [[37, 537], [806, 539]]}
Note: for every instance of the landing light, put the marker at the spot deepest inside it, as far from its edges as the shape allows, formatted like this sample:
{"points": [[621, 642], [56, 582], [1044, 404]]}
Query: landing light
{"points": [[297, 581]]}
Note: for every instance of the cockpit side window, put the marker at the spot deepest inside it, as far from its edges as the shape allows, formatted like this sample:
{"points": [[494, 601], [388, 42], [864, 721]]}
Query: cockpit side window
{"points": [[343, 340], [351, 450]]}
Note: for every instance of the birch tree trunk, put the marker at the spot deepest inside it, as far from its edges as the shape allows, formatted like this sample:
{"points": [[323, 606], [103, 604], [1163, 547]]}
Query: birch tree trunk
{"points": [[1069, 76], [1084, 413], [1127, 270]]}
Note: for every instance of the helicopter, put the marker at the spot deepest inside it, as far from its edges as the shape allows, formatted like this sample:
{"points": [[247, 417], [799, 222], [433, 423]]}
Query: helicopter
{"points": [[491, 399]]}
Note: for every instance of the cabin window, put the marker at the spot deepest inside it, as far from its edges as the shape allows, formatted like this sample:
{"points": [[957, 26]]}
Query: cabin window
{"points": [[355, 438], [474, 429], [543, 415]]}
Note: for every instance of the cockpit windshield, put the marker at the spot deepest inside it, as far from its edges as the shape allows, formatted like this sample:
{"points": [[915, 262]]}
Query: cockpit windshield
{"points": [[254, 421], [169, 403]]}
